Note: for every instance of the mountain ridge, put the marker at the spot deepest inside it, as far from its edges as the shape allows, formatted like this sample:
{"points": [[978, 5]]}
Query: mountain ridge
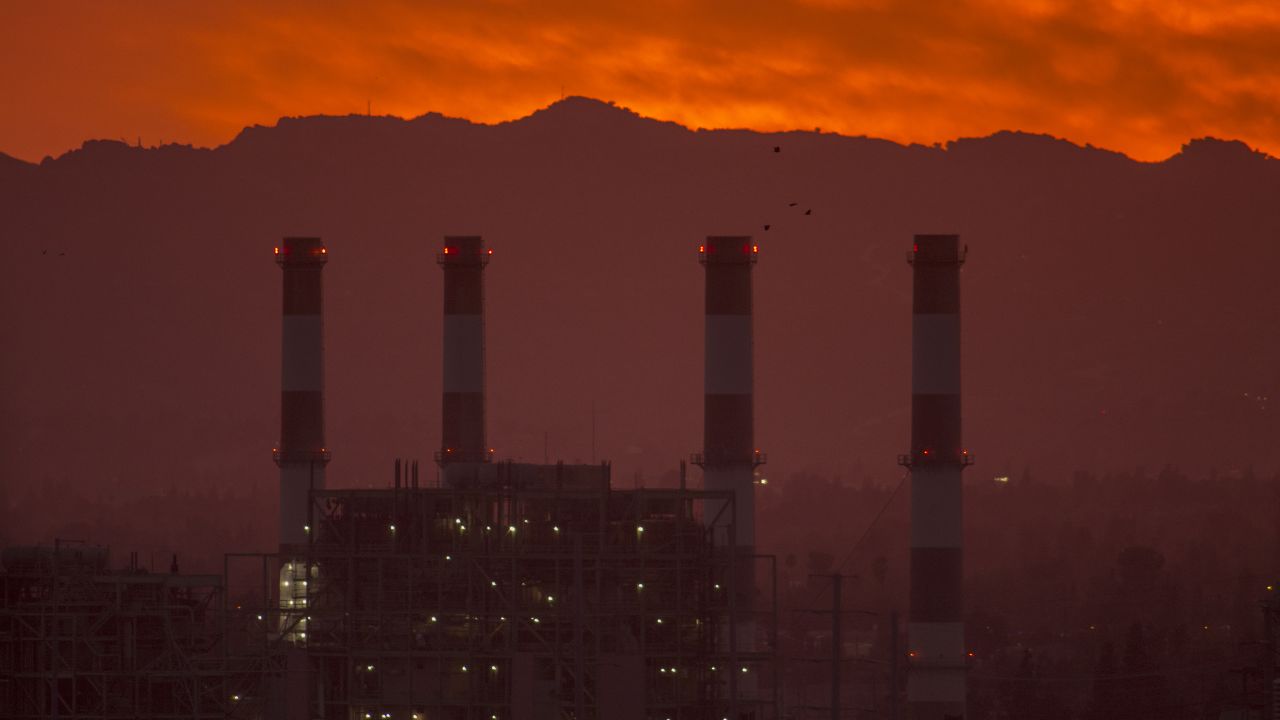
{"points": [[579, 110]]}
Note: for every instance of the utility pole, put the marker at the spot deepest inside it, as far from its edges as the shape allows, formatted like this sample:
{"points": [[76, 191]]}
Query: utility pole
{"points": [[893, 665], [835, 646], [1270, 683]]}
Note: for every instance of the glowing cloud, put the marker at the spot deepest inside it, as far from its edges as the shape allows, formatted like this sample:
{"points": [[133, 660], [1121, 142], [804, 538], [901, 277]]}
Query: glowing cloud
{"points": [[1139, 76]]}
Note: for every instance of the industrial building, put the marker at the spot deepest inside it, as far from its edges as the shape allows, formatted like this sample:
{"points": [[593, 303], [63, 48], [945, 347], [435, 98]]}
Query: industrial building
{"points": [[503, 590], [80, 640]]}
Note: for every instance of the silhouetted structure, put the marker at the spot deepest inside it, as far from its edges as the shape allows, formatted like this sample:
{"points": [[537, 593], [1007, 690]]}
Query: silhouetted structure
{"points": [[729, 456], [462, 442], [301, 454], [80, 640], [935, 633]]}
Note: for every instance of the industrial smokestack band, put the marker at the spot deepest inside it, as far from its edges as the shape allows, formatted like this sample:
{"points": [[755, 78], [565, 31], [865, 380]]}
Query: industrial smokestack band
{"points": [[729, 455], [301, 454], [463, 260], [936, 685]]}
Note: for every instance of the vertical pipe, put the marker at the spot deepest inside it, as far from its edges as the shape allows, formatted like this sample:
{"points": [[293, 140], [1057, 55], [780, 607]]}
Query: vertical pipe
{"points": [[836, 645], [893, 665], [301, 454], [935, 629], [729, 455], [463, 261]]}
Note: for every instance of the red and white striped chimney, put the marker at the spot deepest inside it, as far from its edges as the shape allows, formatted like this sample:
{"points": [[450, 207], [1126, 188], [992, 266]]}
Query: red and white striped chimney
{"points": [[729, 455], [301, 454], [935, 633], [463, 260]]}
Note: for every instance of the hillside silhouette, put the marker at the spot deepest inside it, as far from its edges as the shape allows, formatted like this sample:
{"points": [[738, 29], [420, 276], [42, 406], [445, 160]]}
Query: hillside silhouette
{"points": [[1116, 313]]}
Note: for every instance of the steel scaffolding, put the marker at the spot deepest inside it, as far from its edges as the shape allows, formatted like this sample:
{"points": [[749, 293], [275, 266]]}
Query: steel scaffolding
{"points": [[78, 640], [534, 592]]}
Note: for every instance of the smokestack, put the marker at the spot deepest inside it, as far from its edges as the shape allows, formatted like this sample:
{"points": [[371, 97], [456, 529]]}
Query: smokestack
{"points": [[302, 454], [936, 685], [463, 260], [729, 455]]}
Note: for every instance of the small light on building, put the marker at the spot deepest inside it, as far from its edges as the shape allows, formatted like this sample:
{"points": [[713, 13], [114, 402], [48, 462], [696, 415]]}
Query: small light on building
{"points": [[493, 668], [639, 586], [555, 528], [511, 528]]}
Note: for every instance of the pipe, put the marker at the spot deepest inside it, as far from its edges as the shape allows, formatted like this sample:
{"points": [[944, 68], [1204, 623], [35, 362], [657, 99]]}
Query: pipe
{"points": [[463, 261], [729, 455], [935, 630], [301, 454]]}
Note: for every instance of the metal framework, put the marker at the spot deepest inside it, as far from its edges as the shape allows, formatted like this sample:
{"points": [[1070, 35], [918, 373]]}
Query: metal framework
{"points": [[538, 592], [77, 640]]}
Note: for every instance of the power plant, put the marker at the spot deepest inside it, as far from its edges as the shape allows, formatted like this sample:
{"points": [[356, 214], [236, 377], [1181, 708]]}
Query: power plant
{"points": [[499, 590]]}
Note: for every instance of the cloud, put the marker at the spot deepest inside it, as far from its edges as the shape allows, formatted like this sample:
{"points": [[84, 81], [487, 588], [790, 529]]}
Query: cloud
{"points": [[1139, 76]]}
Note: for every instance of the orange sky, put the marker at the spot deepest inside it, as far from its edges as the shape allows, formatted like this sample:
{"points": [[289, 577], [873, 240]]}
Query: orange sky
{"points": [[1140, 76]]}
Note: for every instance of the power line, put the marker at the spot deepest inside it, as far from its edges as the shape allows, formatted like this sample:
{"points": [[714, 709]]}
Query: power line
{"points": [[865, 533]]}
